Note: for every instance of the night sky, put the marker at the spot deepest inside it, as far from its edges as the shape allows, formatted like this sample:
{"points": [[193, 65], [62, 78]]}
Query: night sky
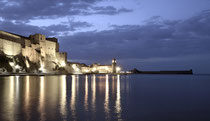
{"points": [[145, 34]]}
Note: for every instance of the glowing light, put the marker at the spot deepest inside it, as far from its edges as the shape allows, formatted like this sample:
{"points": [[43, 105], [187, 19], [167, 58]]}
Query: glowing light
{"points": [[42, 67], [94, 69], [63, 64], [11, 63], [27, 64], [118, 69], [114, 61], [87, 71], [75, 68], [17, 67]]}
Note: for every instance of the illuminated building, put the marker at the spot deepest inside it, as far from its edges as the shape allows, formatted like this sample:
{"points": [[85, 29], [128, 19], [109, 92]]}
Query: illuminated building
{"points": [[37, 53], [97, 68]]}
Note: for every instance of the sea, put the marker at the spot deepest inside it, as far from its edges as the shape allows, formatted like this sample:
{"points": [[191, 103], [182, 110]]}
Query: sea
{"points": [[105, 98]]}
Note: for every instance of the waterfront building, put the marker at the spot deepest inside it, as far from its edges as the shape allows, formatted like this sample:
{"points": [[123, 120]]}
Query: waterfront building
{"points": [[98, 68], [37, 53], [114, 64]]}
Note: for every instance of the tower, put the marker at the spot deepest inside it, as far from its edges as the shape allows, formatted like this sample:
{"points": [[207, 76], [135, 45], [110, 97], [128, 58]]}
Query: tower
{"points": [[114, 65]]}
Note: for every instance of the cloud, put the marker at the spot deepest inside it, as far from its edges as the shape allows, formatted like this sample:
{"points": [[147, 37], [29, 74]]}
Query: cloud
{"points": [[109, 10], [157, 38], [25, 10], [22, 28], [52, 30]]}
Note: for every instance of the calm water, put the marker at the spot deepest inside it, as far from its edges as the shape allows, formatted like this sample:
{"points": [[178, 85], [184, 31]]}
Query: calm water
{"points": [[134, 97]]}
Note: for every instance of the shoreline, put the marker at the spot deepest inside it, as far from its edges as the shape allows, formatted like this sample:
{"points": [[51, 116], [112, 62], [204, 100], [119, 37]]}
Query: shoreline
{"points": [[54, 74]]}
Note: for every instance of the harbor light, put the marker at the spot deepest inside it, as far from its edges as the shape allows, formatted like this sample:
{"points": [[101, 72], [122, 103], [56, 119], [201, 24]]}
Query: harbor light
{"points": [[11, 64], [17, 67], [63, 64], [114, 61], [42, 67], [86, 71], [94, 69], [107, 68], [75, 68], [118, 69], [27, 64]]}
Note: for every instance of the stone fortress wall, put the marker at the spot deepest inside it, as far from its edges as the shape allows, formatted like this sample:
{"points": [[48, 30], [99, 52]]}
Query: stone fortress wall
{"points": [[36, 48], [8, 44]]}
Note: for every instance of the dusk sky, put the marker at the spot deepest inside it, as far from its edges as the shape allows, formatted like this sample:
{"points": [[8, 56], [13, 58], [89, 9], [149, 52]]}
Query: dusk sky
{"points": [[143, 34]]}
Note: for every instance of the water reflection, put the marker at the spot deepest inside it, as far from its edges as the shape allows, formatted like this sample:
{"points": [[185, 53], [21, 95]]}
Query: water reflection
{"points": [[86, 93], [41, 98], [106, 104], [73, 96], [113, 86], [27, 97], [103, 97], [63, 95], [118, 103], [17, 87], [93, 93], [27, 91], [11, 100]]}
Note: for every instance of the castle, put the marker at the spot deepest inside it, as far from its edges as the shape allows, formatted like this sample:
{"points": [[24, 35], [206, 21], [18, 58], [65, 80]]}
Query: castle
{"points": [[38, 54]]}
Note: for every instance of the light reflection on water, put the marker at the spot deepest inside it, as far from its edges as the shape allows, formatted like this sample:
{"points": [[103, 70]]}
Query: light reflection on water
{"points": [[27, 98], [118, 103], [93, 83], [10, 103], [63, 96], [103, 97], [41, 98], [86, 93], [106, 104], [73, 96]]}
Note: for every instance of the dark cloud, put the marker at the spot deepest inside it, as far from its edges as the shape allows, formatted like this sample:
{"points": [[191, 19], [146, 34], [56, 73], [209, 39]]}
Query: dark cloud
{"points": [[110, 10], [75, 25], [41, 9], [67, 26], [52, 30], [157, 38], [22, 29]]}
